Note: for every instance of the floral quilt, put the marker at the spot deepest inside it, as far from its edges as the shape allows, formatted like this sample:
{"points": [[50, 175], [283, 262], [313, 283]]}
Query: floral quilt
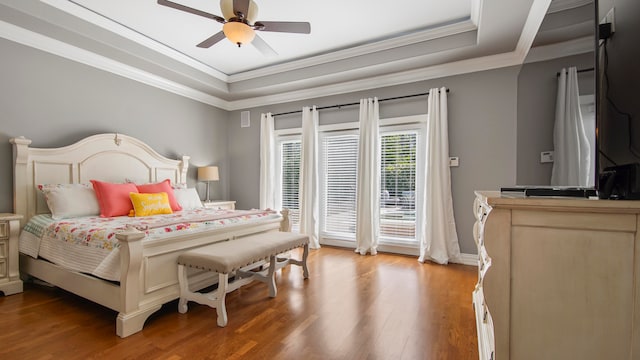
{"points": [[88, 244]]}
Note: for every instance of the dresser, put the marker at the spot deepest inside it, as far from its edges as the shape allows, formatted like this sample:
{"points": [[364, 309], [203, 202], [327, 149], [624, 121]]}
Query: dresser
{"points": [[558, 278], [10, 282]]}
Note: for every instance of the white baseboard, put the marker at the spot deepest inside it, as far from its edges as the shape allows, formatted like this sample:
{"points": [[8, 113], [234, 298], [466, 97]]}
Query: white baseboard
{"points": [[465, 259], [468, 259]]}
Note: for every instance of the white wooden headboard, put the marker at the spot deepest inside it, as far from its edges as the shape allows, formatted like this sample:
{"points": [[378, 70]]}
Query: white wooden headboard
{"points": [[106, 157]]}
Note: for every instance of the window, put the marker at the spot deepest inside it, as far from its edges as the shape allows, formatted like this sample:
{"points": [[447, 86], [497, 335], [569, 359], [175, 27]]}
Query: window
{"points": [[398, 168], [401, 163], [338, 170], [289, 157]]}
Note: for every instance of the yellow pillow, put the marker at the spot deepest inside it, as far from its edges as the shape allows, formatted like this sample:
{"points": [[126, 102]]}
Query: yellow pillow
{"points": [[150, 204]]}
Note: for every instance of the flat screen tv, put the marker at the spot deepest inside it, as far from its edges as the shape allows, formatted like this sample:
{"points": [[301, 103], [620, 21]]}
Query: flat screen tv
{"points": [[617, 91]]}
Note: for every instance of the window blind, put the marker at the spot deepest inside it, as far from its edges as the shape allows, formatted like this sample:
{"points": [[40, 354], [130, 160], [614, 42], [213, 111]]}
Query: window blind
{"points": [[290, 152], [338, 168]]}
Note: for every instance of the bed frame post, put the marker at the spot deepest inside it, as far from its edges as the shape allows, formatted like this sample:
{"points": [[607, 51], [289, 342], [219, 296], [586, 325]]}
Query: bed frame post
{"points": [[184, 166], [131, 317], [285, 224], [20, 179]]}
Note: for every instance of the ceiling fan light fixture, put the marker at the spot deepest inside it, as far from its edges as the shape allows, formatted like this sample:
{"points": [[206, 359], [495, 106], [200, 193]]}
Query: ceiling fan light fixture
{"points": [[238, 32]]}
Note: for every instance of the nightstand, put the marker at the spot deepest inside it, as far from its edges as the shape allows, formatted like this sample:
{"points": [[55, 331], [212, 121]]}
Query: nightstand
{"points": [[10, 282], [220, 204]]}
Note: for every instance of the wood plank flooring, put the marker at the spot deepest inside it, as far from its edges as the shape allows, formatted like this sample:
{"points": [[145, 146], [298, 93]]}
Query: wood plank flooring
{"points": [[351, 307]]}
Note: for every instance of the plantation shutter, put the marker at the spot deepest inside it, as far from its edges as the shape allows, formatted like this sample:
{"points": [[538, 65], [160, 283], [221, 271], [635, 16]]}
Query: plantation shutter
{"points": [[339, 154], [290, 160]]}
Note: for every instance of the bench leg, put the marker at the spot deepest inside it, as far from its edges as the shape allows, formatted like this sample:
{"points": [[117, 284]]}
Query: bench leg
{"points": [[184, 289], [303, 262], [271, 277], [305, 254], [221, 309]]}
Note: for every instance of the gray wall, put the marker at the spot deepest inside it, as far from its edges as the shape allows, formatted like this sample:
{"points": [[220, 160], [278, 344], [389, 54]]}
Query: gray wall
{"points": [[54, 102], [537, 89], [482, 132]]}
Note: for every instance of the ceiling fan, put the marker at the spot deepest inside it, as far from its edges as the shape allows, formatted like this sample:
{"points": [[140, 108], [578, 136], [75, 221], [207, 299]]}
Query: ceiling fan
{"points": [[239, 24]]}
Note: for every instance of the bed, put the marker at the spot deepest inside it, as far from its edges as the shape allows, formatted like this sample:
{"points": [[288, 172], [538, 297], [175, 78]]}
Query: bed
{"points": [[147, 266]]}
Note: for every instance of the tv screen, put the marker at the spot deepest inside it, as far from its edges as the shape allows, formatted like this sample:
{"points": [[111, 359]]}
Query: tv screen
{"points": [[617, 83]]}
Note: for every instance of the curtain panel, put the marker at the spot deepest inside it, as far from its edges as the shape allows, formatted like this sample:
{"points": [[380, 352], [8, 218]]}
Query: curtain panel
{"points": [[571, 148], [268, 189], [437, 235], [368, 179], [309, 224]]}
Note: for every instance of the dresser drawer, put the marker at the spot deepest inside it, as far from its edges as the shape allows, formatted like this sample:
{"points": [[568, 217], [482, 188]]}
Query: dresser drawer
{"points": [[3, 269], [4, 230]]}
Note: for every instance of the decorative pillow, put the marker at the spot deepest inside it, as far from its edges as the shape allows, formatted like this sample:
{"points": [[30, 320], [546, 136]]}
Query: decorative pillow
{"points": [[188, 198], [70, 200], [114, 198], [163, 186], [150, 204]]}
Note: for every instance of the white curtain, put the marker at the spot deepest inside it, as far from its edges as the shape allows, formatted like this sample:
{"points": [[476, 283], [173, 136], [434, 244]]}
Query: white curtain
{"points": [[438, 236], [368, 183], [267, 163], [572, 154], [309, 176]]}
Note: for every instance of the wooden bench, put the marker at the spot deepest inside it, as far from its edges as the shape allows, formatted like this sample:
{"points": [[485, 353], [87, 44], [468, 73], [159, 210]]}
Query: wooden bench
{"points": [[238, 257]]}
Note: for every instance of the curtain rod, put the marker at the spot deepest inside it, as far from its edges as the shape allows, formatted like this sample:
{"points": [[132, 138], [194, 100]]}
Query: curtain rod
{"points": [[352, 104], [579, 71]]}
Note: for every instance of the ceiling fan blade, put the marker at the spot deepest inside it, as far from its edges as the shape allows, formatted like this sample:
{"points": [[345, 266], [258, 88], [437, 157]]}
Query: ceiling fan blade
{"points": [[284, 26], [263, 47], [241, 8], [211, 40], [181, 7]]}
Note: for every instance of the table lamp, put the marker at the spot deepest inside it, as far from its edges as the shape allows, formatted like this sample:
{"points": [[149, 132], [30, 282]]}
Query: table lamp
{"points": [[208, 174]]}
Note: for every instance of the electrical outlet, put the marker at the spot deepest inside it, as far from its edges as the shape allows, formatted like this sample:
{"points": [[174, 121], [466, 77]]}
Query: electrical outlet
{"points": [[454, 161], [546, 156]]}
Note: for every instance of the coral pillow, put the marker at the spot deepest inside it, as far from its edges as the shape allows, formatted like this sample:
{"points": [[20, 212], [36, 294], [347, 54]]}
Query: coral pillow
{"points": [[150, 204], [114, 198], [163, 186]]}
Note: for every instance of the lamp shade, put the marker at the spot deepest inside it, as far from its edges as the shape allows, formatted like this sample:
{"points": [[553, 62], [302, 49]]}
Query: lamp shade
{"points": [[238, 32], [208, 173]]}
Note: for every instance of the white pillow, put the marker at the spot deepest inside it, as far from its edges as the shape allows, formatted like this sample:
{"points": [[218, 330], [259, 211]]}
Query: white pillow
{"points": [[70, 200], [188, 198]]}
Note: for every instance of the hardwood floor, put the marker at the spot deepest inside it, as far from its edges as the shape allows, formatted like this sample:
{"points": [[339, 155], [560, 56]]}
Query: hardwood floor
{"points": [[351, 307]]}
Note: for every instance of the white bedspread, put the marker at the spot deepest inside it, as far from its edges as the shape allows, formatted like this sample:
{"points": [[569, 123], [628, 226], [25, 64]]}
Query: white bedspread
{"points": [[89, 244]]}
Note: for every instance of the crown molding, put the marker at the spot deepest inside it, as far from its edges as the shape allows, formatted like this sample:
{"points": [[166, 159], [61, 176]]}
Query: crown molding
{"points": [[459, 27], [572, 47], [282, 92], [399, 78], [108, 24], [56, 47], [59, 48], [531, 26], [562, 5]]}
